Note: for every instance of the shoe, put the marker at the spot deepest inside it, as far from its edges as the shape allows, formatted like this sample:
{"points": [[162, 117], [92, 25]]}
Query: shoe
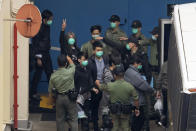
{"points": [[36, 97], [81, 115]]}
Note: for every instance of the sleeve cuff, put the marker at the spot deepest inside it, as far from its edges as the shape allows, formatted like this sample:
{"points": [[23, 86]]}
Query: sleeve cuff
{"points": [[38, 56]]}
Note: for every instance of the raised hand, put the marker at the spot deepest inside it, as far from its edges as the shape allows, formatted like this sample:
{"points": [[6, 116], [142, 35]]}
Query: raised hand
{"points": [[64, 25]]}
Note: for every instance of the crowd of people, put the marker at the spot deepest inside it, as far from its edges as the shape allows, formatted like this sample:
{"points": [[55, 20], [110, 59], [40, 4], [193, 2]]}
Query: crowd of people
{"points": [[111, 77]]}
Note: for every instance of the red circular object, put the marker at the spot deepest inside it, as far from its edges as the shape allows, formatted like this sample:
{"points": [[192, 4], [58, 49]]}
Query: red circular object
{"points": [[28, 12]]}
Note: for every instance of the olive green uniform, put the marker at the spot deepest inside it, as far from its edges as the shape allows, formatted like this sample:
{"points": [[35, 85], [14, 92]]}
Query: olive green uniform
{"points": [[87, 48], [153, 53], [112, 39], [63, 81], [120, 92]]}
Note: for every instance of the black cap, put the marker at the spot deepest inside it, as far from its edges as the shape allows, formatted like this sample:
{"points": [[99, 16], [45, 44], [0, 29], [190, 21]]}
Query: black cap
{"points": [[114, 18], [133, 40], [119, 69], [136, 24], [155, 31]]}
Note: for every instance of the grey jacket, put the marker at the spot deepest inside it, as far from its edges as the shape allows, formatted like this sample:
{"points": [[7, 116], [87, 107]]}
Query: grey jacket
{"points": [[133, 76]]}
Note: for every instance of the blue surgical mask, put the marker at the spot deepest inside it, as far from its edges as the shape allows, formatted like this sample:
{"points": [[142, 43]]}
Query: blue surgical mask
{"points": [[154, 38], [134, 30], [128, 47], [84, 63], [113, 25], [139, 67], [99, 53], [71, 41], [49, 22]]}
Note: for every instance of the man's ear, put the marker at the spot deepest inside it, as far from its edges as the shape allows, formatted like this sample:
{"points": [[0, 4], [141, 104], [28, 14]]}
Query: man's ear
{"points": [[118, 23]]}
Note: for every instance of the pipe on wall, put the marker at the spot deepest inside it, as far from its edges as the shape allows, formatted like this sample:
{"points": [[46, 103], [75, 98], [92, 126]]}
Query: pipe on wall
{"points": [[15, 78]]}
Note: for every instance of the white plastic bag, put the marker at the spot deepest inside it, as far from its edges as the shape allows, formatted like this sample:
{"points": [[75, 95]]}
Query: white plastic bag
{"points": [[158, 105]]}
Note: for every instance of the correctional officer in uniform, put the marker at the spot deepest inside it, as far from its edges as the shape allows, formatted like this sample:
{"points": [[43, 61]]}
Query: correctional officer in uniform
{"points": [[153, 43], [114, 36], [87, 47], [137, 34], [121, 92], [62, 82], [154, 53]]}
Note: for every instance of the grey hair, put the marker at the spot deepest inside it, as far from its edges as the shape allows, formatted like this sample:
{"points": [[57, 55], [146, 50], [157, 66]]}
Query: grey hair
{"points": [[67, 35]]}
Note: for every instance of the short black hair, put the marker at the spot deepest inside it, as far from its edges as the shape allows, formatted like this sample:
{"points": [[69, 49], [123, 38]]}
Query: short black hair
{"points": [[97, 44], [62, 60], [136, 59], [134, 40], [80, 54], [46, 14], [115, 58], [95, 27], [119, 70]]}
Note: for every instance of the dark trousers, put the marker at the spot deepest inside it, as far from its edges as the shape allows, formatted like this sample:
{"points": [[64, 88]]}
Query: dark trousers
{"points": [[142, 121], [46, 66], [96, 98]]}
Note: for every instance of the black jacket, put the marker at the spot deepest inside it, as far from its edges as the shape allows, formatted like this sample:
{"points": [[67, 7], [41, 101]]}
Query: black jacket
{"points": [[127, 58], [93, 67], [41, 42], [83, 80], [67, 50]]}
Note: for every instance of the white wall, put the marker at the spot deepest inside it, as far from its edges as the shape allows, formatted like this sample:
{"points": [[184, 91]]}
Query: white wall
{"points": [[6, 66]]}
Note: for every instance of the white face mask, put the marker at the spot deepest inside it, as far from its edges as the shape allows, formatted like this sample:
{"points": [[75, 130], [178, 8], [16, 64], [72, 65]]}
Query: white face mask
{"points": [[95, 36]]}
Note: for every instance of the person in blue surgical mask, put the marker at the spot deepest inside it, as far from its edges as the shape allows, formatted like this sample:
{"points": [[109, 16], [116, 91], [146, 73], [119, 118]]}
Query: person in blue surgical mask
{"points": [[114, 35], [68, 44], [96, 64], [84, 86], [136, 29], [41, 52], [87, 47], [153, 42]]}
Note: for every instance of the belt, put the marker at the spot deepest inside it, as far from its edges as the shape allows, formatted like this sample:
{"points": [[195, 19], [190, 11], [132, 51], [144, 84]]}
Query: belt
{"points": [[63, 93]]}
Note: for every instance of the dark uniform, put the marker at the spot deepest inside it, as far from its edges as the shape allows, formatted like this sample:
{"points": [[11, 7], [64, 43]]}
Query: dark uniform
{"points": [[63, 81], [153, 43], [41, 47], [142, 40]]}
